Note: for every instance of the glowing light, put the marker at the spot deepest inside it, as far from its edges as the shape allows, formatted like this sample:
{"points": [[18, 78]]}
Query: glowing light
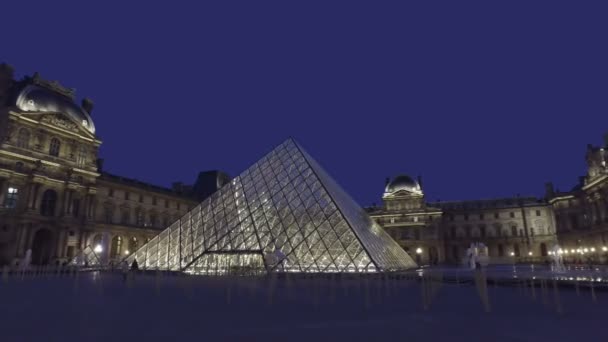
{"points": [[560, 251], [585, 250], [593, 249], [604, 248], [512, 254], [127, 252], [98, 249], [566, 252], [572, 251], [418, 250], [530, 253]]}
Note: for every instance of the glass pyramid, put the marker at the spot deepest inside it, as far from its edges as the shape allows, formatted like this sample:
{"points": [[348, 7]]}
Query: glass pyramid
{"points": [[86, 258], [282, 214]]}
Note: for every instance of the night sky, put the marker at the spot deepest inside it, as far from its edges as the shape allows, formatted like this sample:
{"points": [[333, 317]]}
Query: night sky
{"points": [[482, 100]]}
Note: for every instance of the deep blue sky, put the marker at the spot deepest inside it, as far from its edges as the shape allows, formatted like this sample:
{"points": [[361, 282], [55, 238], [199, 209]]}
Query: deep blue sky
{"points": [[482, 99]]}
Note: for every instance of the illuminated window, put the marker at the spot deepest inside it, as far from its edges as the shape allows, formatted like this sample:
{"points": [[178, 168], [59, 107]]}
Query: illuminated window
{"points": [[11, 197], [81, 158], [23, 138], [55, 147]]}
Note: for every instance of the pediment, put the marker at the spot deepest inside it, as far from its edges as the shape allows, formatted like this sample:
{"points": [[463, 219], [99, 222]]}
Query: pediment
{"points": [[59, 120]]}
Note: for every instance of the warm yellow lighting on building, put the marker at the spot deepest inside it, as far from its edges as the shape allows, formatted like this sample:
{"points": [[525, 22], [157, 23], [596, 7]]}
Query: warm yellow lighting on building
{"points": [[98, 249], [593, 249], [530, 253], [604, 248], [418, 250], [127, 252], [512, 254]]}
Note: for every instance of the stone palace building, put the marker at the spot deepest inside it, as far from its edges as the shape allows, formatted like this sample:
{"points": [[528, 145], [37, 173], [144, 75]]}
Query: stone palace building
{"points": [[56, 199]]}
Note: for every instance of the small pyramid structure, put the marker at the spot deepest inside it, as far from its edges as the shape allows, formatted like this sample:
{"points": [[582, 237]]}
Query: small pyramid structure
{"points": [[282, 214]]}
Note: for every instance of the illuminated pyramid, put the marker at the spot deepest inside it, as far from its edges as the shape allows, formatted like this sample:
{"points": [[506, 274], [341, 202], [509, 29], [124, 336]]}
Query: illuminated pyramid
{"points": [[283, 214]]}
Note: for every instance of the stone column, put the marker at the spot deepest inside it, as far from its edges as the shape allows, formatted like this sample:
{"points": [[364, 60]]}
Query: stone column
{"points": [[33, 195]]}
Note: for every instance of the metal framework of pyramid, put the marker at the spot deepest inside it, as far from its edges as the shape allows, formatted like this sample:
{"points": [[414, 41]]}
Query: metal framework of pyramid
{"points": [[282, 214]]}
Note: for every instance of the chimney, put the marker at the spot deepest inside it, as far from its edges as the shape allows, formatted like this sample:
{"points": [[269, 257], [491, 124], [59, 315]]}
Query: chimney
{"points": [[549, 190], [87, 105], [99, 164]]}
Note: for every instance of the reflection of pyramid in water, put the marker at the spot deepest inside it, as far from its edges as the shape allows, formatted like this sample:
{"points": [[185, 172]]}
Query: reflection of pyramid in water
{"points": [[284, 204]]}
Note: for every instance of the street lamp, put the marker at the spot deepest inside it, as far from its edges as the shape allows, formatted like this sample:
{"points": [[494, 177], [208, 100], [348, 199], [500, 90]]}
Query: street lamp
{"points": [[98, 249]]}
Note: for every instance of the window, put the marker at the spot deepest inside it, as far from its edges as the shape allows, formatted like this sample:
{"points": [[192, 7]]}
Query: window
{"points": [[71, 233], [532, 231], [154, 201], [516, 250], [75, 207], [166, 203], [126, 195], [512, 214], [514, 230], [18, 166], [23, 138], [482, 231], [55, 147], [496, 215], [179, 206], [430, 218], [111, 192], [109, 214], [49, 200], [392, 220], [11, 197], [467, 231], [116, 246], [501, 251], [165, 222], [481, 216], [132, 245], [70, 252], [417, 234], [81, 158], [538, 213], [451, 217], [139, 217], [141, 198], [124, 217], [453, 231], [153, 220], [466, 217]]}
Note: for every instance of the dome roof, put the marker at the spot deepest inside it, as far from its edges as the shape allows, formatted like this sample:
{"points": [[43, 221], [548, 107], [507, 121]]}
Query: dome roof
{"points": [[34, 98], [403, 182]]}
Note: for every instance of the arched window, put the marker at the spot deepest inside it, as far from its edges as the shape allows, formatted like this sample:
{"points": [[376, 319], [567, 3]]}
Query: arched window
{"points": [[23, 138], [49, 201], [543, 249], [116, 246], [55, 146], [516, 250], [81, 158], [501, 250], [109, 213], [133, 245]]}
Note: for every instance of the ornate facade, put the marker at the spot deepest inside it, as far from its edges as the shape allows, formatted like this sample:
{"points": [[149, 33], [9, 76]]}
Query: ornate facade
{"points": [[514, 229], [54, 197], [582, 213]]}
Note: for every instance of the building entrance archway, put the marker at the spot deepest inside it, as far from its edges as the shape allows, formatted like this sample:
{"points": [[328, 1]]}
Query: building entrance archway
{"points": [[42, 247]]}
